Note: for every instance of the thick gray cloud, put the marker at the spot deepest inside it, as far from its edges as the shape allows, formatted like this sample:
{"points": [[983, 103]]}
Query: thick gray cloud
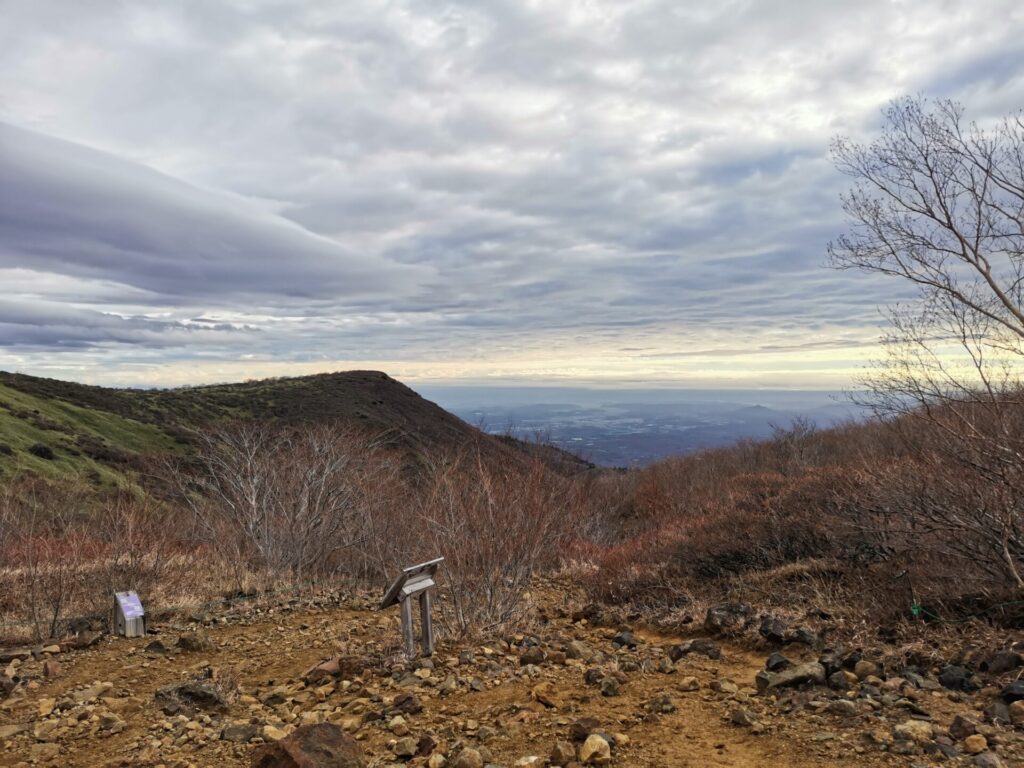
{"points": [[467, 189]]}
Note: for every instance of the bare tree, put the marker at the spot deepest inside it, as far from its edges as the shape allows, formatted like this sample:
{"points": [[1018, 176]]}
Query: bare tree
{"points": [[287, 500], [939, 204]]}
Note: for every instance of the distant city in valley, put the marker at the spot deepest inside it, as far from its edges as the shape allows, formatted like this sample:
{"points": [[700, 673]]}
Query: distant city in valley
{"points": [[635, 427]]}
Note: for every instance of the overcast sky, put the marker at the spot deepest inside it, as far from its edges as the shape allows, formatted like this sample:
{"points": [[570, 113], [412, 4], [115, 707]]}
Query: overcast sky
{"points": [[615, 193]]}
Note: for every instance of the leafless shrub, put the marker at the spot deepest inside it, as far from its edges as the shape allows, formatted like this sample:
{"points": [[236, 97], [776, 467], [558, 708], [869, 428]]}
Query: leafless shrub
{"points": [[293, 501], [496, 526]]}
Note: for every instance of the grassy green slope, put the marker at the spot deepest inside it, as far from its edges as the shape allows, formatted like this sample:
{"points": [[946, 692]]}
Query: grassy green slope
{"points": [[93, 444], [96, 432]]}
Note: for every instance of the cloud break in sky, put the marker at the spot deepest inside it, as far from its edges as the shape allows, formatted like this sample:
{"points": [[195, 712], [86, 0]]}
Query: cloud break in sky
{"points": [[621, 194]]}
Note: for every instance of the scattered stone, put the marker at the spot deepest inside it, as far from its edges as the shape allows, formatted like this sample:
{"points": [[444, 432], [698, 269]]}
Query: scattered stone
{"points": [[406, 704], [15, 654], [467, 758], [661, 704], [577, 649], [988, 760], [1002, 662], [583, 727], [156, 647], [728, 617], [742, 717], [323, 745], [46, 706], [240, 733], [843, 707], [595, 750], [8, 732], [547, 694], [51, 668], [804, 636], [810, 673], [405, 747], [917, 731], [864, 669], [272, 733], [194, 694], [962, 727], [1013, 692], [624, 639], [997, 713], [532, 655], [702, 646], [975, 744], [1016, 712], [42, 753], [609, 686], [773, 629], [689, 683], [955, 678], [777, 662], [194, 642], [562, 753]]}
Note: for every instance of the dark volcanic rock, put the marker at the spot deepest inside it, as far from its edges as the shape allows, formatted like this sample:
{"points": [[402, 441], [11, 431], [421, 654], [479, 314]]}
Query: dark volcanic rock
{"points": [[624, 639], [702, 646], [405, 704], [1002, 661], [954, 678], [773, 629], [729, 617], [591, 612], [195, 694], [532, 655], [804, 636], [312, 746], [583, 727], [777, 662], [1013, 692]]}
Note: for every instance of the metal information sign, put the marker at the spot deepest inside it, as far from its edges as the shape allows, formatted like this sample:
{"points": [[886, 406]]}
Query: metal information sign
{"points": [[129, 615], [415, 581]]}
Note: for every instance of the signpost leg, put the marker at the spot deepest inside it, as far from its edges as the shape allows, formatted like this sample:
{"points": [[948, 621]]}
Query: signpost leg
{"points": [[426, 624], [410, 640]]}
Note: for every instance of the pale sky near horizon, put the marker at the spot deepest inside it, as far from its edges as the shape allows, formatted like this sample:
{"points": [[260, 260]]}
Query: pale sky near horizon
{"points": [[570, 192]]}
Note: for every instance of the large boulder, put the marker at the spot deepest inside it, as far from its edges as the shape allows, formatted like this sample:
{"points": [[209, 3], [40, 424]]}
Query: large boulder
{"points": [[323, 745]]}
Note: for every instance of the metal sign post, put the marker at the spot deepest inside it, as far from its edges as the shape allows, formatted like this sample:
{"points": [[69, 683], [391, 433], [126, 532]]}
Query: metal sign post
{"points": [[129, 616], [415, 581]]}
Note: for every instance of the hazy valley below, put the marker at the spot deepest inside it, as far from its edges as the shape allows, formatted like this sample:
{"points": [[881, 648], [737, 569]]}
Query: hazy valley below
{"points": [[636, 427]]}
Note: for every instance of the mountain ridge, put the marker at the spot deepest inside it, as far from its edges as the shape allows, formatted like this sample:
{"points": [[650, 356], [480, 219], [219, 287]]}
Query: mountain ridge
{"points": [[57, 428]]}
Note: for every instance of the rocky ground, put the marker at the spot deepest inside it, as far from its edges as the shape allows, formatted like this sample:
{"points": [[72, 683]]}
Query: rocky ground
{"points": [[217, 689]]}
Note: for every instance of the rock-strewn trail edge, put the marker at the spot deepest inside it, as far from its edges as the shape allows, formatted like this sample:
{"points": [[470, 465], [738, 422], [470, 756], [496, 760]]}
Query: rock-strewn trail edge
{"points": [[215, 692]]}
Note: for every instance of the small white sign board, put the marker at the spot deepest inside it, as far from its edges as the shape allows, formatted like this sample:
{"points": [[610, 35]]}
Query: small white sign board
{"points": [[129, 615]]}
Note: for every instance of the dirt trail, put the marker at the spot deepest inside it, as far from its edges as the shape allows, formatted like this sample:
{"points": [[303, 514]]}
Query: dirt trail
{"points": [[274, 650]]}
